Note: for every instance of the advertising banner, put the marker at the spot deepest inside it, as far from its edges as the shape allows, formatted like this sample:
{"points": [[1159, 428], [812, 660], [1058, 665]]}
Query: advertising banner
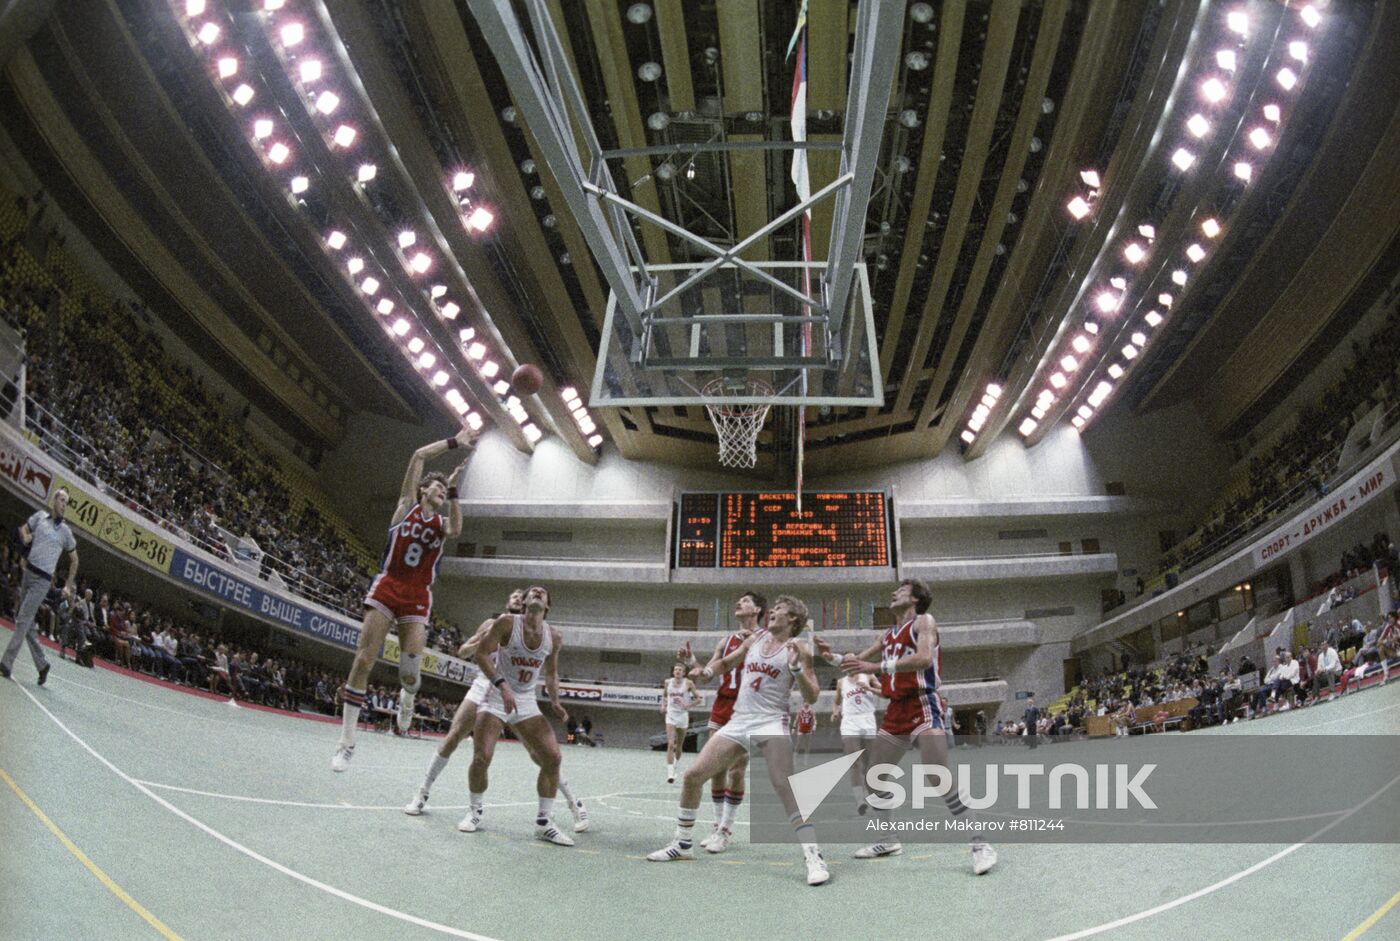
{"points": [[103, 522]]}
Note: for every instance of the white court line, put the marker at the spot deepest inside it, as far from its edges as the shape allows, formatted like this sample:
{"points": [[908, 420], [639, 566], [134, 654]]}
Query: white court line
{"points": [[317, 806], [1355, 715], [254, 854], [180, 712]]}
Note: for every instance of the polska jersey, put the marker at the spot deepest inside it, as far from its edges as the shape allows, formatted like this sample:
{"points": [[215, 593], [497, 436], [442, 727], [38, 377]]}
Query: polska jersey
{"points": [[856, 700], [898, 642], [765, 683], [677, 696], [519, 664], [415, 548]]}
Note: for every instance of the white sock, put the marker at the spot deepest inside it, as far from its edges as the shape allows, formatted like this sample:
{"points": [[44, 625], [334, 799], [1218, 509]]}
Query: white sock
{"points": [[349, 719], [434, 770], [670, 771], [477, 801], [546, 808], [685, 826], [568, 793]]}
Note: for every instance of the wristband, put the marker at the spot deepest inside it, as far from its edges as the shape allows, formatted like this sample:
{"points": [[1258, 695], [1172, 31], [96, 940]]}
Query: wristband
{"points": [[451, 493], [832, 660], [452, 444], [499, 681]]}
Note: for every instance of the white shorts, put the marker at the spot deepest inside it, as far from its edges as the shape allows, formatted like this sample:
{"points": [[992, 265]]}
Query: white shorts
{"points": [[859, 726], [526, 707], [481, 688], [680, 720], [741, 728]]}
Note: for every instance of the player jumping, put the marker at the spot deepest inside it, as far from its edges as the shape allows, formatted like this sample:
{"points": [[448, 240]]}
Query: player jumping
{"points": [[401, 594], [677, 696], [772, 662], [909, 679]]}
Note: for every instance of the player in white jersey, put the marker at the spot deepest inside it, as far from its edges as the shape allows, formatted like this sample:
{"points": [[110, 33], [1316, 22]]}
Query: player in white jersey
{"points": [[773, 662], [677, 696], [855, 710], [514, 653]]}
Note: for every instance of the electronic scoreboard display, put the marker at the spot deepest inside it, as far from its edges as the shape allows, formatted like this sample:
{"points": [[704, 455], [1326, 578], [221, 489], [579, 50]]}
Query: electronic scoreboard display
{"points": [[763, 530]]}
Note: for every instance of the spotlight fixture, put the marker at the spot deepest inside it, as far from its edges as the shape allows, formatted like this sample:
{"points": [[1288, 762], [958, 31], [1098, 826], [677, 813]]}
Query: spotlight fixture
{"points": [[1134, 253], [336, 240], [369, 285], [1078, 207], [968, 436], [228, 67], [300, 184], [1183, 159], [366, 172], [1243, 171], [1198, 125], [1090, 178], [450, 310], [278, 153], [401, 327], [1152, 317], [208, 33], [1115, 371], [1260, 138], [1179, 277], [292, 34], [1195, 252], [479, 219], [385, 307], [1214, 91], [1211, 227], [1272, 113], [439, 378], [355, 265], [420, 262], [1081, 344], [1287, 78], [326, 103], [1225, 58], [1238, 22], [1310, 16], [462, 180], [243, 94], [1026, 427], [345, 136], [309, 70]]}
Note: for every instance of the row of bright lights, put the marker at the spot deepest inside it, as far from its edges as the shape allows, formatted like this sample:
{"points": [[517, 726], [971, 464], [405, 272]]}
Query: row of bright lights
{"points": [[1137, 249], [581, 416], [322, 104]]}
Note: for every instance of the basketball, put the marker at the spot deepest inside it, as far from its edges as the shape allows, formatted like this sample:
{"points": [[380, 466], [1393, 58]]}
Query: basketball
{"points": [[527, 379]]}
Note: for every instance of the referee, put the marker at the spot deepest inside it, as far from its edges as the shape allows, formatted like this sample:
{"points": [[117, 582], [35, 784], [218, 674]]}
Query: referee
{"points": [[47, 536]]}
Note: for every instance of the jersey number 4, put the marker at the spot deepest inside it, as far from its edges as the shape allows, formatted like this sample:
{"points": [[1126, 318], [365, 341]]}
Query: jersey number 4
{"points": [[413, 554], [757, 682]]}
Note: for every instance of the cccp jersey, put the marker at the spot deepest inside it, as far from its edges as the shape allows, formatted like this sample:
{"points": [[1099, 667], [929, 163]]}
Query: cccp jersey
{"points": [[415, 546], [898, 642]]}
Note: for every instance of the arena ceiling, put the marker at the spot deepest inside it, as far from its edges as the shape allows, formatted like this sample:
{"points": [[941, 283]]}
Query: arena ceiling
{"points": [[980, 274]]}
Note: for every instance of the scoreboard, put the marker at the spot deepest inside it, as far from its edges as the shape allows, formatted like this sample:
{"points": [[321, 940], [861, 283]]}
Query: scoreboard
{"points": [[763, 530]]}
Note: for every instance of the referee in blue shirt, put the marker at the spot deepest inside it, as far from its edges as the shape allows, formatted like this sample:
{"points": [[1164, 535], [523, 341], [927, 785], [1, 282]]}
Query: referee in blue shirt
{"points": [[48, 537]]}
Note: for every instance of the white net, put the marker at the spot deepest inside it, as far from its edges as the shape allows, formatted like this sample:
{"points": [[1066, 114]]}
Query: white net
{"points": [[738, 425]]}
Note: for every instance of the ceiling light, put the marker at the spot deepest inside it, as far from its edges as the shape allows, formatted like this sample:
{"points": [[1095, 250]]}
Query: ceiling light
{"points": [[1243, 171], [473, 420], [1057, 380], [1310, 16], [465, 334], [437, 291], [278, 153], [1210, 227], [421, 262], [1147, 231], [300, 184], [989, 401], [1078, 207], [1195, 252], [968, 435], [579, 412], [994, 390], [917, 61], [921, 13], [208, 33], [1078, 422], [1260, 138], [1298, 50], [369, 285], [439, 378], [1152, 317], [273, 5], [476, 351], [454, 398], [1198, 125], [292, 34], [1119, 282], [1129, 351], [385, 306], [450, 310], [1115, 371], [327, 102], [1101, 391], [310, 71], [489, 368], [649, 71], [1214, 90], [366, 172], [531, 432], [1287, 78], [501, 387], [1272, 113], [976, 423], [1179, 277], [1108, 301], [1091, 327], [1045, 397], [1091, 178], [1183, 158], [1026, 427], [568, 393], [415, 345], [1038, 412], [1085, 411], [1134, 253], [981, 412], [243, 94], [479, 219], [262, 127], [407, 238], [194, 7], [355, 265], [336, 240], [462, 180], [400, 326], [228, 66], [1139, 339], [1238, 22], [1069, 364], [1081, 344], [595, 440], [345, 136], [427, 360], [1164, 299], [1225, 58]]}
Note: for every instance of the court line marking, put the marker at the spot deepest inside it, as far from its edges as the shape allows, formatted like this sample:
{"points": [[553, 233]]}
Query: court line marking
{"points": [[1227, 881], [243, 726], [1370, 922], [252, 853], [91, 866], [315, 806], [1355, 715]]}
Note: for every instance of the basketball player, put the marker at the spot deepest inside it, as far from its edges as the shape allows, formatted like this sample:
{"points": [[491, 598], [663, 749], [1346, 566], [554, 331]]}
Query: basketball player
{"points": [[772, 662], [855, 710], [806, 724], [678, 695], [909, 678], [401, 594], [727, 787], [528, 647]]}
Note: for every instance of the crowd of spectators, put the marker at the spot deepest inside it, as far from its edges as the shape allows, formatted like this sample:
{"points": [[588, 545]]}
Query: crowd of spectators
{"points": [[106, 397], [1301, 462]]}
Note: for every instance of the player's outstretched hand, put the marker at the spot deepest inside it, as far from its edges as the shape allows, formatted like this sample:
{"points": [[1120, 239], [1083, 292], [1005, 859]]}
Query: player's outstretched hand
{"points": [[508, 699], [823, 648], [684, 655], [561, 713], [851, 665], [467, 436]]}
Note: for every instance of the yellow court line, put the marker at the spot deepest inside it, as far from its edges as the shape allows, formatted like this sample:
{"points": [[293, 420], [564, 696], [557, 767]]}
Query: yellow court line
{"points": [[82, 857], [1376, 916]]}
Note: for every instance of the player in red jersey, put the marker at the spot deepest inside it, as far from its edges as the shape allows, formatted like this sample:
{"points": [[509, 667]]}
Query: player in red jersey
{"points": [[401, 594], [909, 679], [727, 787], [803, 726]]}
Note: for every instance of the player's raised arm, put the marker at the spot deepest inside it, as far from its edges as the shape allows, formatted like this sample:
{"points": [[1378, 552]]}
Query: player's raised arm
{"points": [[551, 675], [498, 634], [454, 506], [408, 491], [716, 667], [824, 652], [468, 649], [801, 666]]}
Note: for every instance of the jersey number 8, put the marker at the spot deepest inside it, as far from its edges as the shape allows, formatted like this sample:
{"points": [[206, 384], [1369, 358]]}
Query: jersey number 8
{"points": [[413, 554]]}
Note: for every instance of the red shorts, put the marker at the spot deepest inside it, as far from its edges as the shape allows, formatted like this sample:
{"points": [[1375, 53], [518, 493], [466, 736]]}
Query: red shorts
{"points": [[399, 602], [721, 712], [911, 716]]}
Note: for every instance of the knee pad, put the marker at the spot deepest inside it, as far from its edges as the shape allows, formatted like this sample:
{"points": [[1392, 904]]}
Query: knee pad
{"points": [[410, 671]]}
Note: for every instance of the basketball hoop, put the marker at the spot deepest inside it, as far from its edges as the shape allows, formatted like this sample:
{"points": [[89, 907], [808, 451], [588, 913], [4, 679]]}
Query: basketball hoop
{"points": [[738, 425]]}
